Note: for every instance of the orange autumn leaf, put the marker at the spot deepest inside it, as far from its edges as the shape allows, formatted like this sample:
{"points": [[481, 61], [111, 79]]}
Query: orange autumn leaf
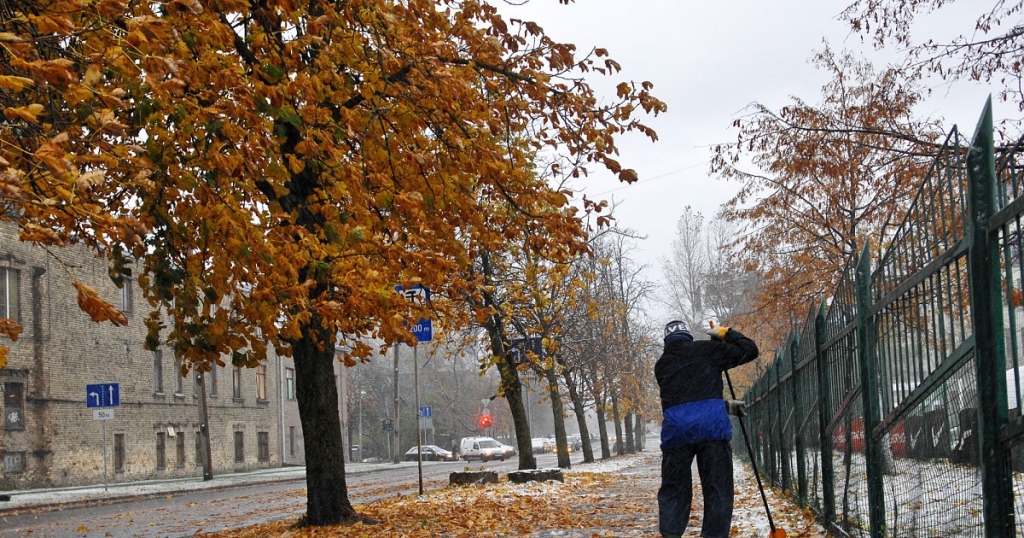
{"points": [[98, 309], [10, 328]]}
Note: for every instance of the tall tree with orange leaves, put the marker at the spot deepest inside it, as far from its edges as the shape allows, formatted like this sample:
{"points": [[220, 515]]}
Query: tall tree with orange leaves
{"points": [[822, 180], [281, 166]]}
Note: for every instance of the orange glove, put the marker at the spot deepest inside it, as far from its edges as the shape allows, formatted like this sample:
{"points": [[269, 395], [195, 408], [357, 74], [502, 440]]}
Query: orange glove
{"points": [[717, 333]]}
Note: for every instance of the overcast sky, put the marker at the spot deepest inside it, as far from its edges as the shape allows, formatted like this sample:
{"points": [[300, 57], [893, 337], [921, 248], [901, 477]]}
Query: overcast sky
{"points": [[708, 61]]}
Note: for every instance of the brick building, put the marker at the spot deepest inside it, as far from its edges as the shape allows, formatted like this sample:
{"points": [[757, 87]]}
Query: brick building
{"points": [[49, 435]]}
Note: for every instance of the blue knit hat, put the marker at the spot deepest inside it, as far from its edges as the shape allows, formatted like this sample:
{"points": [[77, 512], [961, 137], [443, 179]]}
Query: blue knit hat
{"points": [[677, 328]]}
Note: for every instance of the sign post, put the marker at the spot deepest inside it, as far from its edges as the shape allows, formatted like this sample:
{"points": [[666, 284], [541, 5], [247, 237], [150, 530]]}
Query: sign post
{"points": [[98, 397], [424, 333]]}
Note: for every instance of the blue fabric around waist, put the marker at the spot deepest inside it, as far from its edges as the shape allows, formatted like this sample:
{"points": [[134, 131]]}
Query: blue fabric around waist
{"points": [[695, 422]]}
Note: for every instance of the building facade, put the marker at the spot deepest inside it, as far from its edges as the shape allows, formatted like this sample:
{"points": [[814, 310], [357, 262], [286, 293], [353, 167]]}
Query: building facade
{"points": [[52, 437]]}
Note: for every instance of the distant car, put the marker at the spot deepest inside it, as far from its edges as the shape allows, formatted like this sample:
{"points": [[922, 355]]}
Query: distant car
{"points": [[431, 453], [539, 444], [481, 448], [508, 450]]}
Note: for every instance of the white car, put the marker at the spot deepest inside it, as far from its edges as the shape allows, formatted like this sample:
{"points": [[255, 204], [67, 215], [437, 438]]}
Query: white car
{"points": [[509, 451], [539, 444], [481, 448]]}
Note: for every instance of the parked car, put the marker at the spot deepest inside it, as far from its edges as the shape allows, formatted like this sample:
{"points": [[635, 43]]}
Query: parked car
{"points": [[481, 448], [431, 453]]}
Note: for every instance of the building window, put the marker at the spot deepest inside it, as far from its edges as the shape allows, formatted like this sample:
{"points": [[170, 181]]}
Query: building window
{"points": [[161, 451], [239, 447], [179, 445], [126, 295], [289, 380], [158, 371], [263, 446], [9, 293], [179, 382], [236, 383], [199, 449], [14, 462], [261, 383], [119, 452], [14, 406], [291, 441], [212, 376]]}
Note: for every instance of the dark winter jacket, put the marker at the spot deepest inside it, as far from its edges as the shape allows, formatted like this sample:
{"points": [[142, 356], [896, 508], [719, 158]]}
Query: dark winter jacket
{"points": [[689, 374]]}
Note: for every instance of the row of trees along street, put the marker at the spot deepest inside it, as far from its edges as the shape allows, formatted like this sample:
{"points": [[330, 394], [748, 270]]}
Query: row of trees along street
{"points": [[581, 314], [279, 168]]}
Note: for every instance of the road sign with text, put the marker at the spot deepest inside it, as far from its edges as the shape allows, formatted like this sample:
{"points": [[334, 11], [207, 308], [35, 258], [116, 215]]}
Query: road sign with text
{"points": [[423, 330]]}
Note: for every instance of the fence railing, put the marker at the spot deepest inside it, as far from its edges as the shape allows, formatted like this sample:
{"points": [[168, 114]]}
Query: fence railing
{"points": [[894, 410]]}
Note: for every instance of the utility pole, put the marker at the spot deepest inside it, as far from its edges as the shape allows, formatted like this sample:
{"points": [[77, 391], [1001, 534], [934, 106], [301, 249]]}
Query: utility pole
{"points": [[396, 429], [204, 427]]}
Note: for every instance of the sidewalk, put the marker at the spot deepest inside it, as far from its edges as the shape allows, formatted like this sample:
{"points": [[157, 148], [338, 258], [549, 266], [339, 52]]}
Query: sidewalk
{"points": [[94, 494]]}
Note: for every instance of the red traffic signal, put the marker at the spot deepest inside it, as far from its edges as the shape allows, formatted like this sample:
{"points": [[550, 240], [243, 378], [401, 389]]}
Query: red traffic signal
{"points": [[485, 421]]}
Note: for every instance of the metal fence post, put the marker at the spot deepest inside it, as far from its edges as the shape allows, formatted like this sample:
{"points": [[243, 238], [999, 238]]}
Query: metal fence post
{"points": [[866, 351], [828, 491], [987, 311], [785, 445], [775, 443], [798, 413]]}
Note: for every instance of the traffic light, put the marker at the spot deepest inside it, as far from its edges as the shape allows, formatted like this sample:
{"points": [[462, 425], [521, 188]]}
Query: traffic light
{"points": [[485, 419]]}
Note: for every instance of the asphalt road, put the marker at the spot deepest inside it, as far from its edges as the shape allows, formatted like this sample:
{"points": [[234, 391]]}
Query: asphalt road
{"points": [[185, 514]]}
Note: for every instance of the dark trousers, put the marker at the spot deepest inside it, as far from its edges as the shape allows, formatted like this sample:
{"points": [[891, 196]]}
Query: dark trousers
{"points": [[714, 465]]}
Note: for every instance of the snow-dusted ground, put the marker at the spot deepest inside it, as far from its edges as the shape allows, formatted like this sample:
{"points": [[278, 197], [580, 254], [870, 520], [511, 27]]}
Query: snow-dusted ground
{"points": [[922, 497]]}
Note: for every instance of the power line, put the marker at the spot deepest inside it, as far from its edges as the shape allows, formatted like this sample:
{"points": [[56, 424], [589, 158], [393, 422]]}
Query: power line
{"points": [[659, 176]]}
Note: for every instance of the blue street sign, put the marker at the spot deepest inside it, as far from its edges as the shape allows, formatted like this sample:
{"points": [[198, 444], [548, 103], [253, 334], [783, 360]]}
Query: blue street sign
{"points": [[425, 411], [423, 330], [415, 292], [103, 395], [520, 346]]}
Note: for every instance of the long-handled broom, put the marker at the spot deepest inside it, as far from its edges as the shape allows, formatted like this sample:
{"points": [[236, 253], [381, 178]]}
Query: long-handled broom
{"points": [[773, 533]]}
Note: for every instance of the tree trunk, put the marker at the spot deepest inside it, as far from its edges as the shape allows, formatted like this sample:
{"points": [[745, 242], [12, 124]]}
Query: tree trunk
{"points": [[326, 493], [581, 418], [512, 390], [630, 448], [557, 409], [619, 445], [602, 427], [639, 432]]}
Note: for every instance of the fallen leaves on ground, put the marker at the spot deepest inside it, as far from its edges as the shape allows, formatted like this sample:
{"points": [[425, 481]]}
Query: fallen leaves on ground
{"points": [[490, 510], [610, 498]]}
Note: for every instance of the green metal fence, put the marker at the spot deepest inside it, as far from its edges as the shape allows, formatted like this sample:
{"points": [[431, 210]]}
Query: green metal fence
{"points": [[893, 410]]}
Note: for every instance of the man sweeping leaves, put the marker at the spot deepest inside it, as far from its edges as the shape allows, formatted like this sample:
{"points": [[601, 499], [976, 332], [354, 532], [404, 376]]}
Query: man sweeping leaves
{"points": [[696, 425]]}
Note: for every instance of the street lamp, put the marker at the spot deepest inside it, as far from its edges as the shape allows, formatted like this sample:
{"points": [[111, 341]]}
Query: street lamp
{"points": [[361, 394]]}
